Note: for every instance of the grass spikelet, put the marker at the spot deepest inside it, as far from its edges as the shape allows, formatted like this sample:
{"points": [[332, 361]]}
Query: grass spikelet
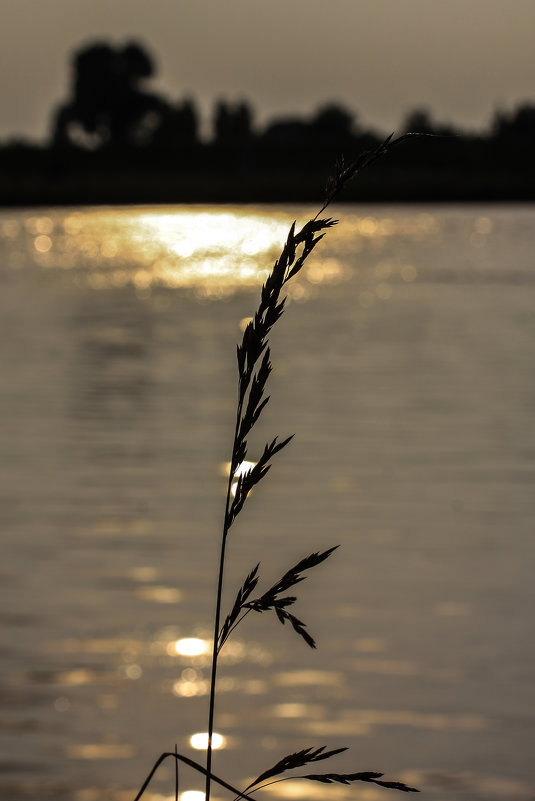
{"points": [[364, 776], [296, 760], [272, 598], [254, 369]]}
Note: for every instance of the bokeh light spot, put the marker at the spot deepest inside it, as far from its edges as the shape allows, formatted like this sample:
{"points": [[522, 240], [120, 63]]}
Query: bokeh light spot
{"points": [[199, 741], [191, 646]]}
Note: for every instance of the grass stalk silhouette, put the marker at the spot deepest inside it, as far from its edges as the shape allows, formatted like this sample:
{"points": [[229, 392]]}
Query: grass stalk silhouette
{"points": [[254, 368]]}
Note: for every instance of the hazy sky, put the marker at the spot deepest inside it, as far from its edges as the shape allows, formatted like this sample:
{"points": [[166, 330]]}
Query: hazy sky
{"points": [[461, 58]]}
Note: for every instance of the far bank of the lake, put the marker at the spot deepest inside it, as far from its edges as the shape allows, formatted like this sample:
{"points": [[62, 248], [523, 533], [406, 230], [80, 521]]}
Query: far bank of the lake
{"points": [[108, 187], [432, 171]]}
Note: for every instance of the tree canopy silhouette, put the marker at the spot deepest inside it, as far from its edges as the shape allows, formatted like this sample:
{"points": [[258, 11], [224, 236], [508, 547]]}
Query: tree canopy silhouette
{"points": [[114, 139], [109, 106], [232, 123]]}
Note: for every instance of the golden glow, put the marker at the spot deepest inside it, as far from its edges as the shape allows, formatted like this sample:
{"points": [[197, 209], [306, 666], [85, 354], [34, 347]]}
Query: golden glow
{"points": [[96, 646], [159, 595], [191, 689], [211, 251], [298, 711], [255, 687], [75, 678], [296, 678], [483, 225], [199, 741], [327, 270], [131, 671], [191, 684], [244, 322], [10, 229], [100, 751], [242, 468], [190, 646], [358, 722], [367, 226], [192, 795], [370, 645], [39, 225], [299, 789], [143, 573], [42, 243]]}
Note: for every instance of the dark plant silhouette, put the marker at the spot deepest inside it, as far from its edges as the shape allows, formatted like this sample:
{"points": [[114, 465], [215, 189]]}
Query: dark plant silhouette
{"points": [[254, 368]]}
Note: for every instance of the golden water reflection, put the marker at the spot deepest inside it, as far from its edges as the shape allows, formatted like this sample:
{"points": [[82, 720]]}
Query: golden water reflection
{"points": [[100, 751], [298, 710], [159, 595], [212, 250], [243, 467], [300, 789], [301, 678], [360, 722], [199, 741], [190, 646]]}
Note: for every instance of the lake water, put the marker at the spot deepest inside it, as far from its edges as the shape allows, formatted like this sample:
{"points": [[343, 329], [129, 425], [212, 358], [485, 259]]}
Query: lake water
{"points": [[405, 367]]}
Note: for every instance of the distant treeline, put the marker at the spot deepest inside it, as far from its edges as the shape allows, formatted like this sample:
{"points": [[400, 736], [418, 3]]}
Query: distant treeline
{"points": [[113, 140]]}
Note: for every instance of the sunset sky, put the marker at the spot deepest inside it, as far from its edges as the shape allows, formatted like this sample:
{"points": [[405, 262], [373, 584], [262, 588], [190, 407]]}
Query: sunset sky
{"points": [[460, 58]]}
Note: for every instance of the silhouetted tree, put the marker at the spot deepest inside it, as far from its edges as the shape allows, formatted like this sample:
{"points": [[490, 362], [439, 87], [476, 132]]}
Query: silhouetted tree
{"points": [[297, 142], [178, 127], [333, 121], [108, 105], [520, 124], [232, 123], [421, 121], [286, 131], [418, 121]]}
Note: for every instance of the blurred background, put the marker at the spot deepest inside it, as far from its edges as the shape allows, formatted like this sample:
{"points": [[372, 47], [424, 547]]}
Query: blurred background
{"points": [[198, 102]]}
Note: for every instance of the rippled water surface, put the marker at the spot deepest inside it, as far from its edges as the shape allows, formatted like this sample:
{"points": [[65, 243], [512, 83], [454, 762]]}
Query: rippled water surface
{"points": [[404, 365]]}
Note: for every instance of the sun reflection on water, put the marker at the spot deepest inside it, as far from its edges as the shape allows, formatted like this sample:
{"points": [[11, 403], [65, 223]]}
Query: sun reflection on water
{"points": [[100, 751], [212, 249], [300, 789], [199, 741], [190, 646], [243, 468], [209, 250]]}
